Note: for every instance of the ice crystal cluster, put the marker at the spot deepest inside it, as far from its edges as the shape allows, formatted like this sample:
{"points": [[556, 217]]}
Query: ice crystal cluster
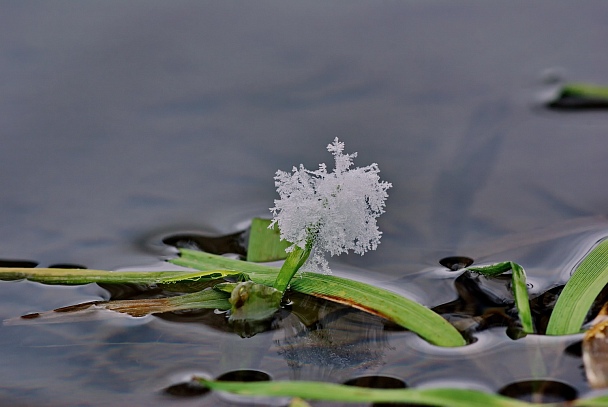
{"points": [[334, 212]]}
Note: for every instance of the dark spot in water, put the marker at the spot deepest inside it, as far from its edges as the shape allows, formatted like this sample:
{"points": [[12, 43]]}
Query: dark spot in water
{"points": [[515, 332], [245, 375], [67, 266], [576, 349], [187, 389], [455, 263], [32, 315], [233, 243], [18, 263], [540, 391], [377, 382]]}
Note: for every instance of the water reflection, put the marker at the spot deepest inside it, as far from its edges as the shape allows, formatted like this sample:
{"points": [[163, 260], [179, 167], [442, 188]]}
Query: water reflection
{"points": [[328, 341]]}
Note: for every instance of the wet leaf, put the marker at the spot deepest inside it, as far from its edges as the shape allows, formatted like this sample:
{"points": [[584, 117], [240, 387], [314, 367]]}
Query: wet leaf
{"points": [[574, 302]]}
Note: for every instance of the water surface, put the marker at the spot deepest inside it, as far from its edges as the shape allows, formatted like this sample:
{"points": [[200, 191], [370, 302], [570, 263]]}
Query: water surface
{"points": [[123, 123]]}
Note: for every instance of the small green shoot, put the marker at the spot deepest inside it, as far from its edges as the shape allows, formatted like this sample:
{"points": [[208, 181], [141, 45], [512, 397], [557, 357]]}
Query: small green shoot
{"points": [[518, 286]]}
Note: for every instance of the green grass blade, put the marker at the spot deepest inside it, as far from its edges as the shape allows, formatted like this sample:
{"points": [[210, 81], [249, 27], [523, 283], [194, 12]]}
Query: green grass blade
{"points": [[585, 90], [198, 260], [519, 287], [86, 276], [265, 244], [522, 300], [599, 401], [341, 393], [407, 313], [411, 315], [573, 304]]}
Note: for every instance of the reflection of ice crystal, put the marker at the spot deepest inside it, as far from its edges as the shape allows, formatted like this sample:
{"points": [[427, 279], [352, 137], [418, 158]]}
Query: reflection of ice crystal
{"points": [[341, 342], [337, 211]]}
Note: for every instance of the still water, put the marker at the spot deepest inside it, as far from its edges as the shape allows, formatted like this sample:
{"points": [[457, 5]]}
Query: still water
{"points": [[124, 123]]}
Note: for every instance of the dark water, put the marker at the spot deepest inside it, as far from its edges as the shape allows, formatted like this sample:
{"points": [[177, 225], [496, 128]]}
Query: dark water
{"points": [[124, 123]]}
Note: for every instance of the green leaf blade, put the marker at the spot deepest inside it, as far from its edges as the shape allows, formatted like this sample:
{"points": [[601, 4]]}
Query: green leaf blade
{"points": [[342, 393], [574, 302], [87, 276], [519, 287], [265, 243], [387, 304]]}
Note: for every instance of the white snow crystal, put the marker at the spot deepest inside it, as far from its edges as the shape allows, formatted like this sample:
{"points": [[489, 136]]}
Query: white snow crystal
{"points": [[336, 211]]}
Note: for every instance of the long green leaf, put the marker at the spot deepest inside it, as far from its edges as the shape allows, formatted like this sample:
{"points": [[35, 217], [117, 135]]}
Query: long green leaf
{"points": [[407, 313], [574, 302], [259, 273], [342, 393], [387, 304], [518, 286], [86, 276]]}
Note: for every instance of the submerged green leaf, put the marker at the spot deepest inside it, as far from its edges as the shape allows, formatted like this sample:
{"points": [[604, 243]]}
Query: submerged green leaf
{"points": [[574, 302], [519, 287], [342, 393], [254, 302]]}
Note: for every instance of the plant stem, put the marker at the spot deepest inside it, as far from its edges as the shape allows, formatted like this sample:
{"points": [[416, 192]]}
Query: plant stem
{"points": [[292, 264]]}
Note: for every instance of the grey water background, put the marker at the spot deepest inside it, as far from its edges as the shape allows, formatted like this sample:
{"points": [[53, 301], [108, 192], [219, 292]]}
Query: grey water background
{"points": [[123, 122]]}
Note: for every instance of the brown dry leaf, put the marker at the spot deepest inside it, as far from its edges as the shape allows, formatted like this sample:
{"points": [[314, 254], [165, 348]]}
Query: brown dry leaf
{"points": [[95, 311], [595, 350]]}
